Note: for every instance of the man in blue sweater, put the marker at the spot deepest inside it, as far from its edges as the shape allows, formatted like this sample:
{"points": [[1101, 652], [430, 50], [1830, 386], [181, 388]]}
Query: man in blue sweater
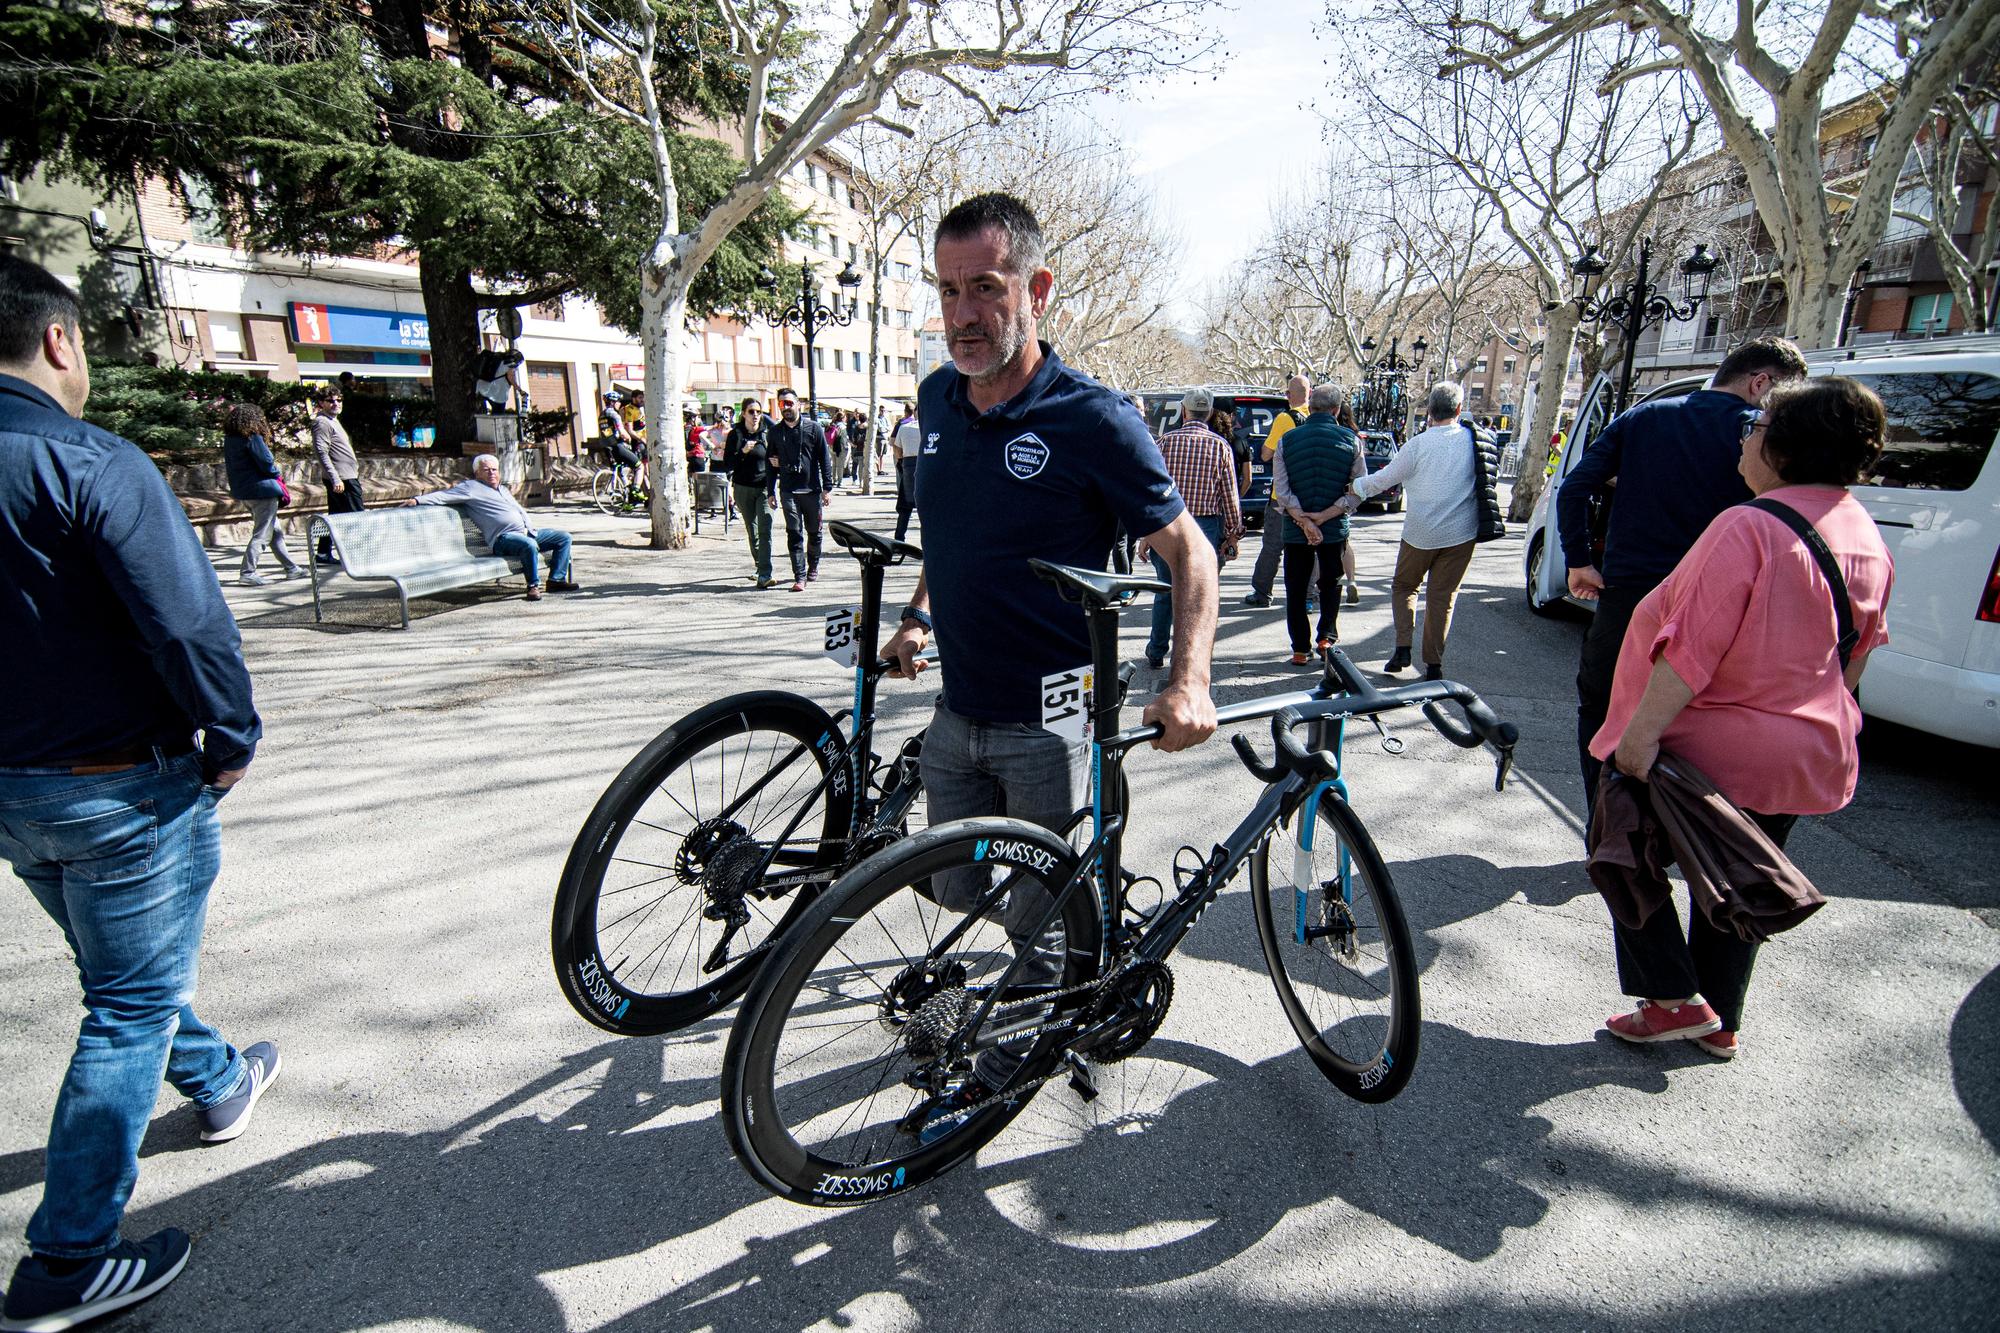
{"points": [[120, 651], [1671, 467]]}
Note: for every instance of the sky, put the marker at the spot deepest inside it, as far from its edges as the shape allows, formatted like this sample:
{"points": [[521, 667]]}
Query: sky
{"points": [[1218, 152]]}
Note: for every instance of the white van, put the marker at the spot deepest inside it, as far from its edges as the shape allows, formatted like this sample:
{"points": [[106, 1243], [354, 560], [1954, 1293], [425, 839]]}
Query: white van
{"points": [[1935, 494]]}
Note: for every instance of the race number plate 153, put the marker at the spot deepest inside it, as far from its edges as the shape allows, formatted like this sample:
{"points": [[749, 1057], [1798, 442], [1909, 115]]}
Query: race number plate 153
{"points": [[840, 646], [1067, 703]]}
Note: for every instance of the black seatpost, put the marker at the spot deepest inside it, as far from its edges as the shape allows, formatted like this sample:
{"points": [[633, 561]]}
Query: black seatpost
{"points": [[868, 640], [1103, 622]]}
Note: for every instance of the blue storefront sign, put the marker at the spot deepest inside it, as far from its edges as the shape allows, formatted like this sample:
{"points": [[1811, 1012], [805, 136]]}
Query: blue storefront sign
{"points": [[317, 325]]}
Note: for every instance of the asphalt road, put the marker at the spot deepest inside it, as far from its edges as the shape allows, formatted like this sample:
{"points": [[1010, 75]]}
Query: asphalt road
{"points": [[451, 1148]]}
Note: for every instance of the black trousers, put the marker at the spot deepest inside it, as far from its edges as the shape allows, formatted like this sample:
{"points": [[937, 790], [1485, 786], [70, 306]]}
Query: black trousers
{"points": [[1300, 560], [906, 495], [1594, 671], [347, 500], [802, 531], [1656, 962]]}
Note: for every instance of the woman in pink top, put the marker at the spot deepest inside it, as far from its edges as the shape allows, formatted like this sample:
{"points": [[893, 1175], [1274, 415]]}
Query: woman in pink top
{"points": [[1732, 663]]}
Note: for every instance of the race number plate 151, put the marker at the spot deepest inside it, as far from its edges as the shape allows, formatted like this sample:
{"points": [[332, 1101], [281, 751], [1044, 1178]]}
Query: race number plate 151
{"points": [[840, 646], [1067, 703]]}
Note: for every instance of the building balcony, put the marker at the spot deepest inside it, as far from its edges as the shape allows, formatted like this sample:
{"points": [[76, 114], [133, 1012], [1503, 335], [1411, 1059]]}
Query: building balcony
{"points": [[735, 375]]}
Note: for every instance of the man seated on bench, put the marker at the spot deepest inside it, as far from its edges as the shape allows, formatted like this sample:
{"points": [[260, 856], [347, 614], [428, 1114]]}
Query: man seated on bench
{"points": [[505, 526]]}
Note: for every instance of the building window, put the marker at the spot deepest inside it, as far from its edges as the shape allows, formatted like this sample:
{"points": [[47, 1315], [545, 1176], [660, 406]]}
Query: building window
{"points": [[1507, 366], [838, 363], [907, 365], [1480, 367], [812, 176], [225, 336], [1930, 314], [798, 356], [902, 319], [903, 272], [552, 309], [819, 358]]}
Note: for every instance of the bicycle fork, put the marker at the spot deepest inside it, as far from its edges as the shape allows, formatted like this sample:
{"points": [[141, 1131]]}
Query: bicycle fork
{"points": [[1305, 859]]}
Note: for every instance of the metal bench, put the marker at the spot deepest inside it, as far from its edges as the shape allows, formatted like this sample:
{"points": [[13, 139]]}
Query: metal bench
{"points": [[421, 549]]}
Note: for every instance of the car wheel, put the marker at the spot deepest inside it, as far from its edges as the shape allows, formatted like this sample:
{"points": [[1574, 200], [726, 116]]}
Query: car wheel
{"points": [[1553, 610], [1394, 506]]}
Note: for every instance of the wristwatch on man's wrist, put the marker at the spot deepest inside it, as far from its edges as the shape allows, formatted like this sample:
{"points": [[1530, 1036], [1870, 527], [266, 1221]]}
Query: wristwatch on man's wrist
{"points": [[912, 613]]}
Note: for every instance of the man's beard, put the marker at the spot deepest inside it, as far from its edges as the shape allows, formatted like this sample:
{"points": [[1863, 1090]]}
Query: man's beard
{"points": [[1007, 342]]}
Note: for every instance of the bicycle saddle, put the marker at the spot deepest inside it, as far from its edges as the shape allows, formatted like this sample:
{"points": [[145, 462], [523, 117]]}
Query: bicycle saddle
{"points": [[870, 546], [1095, 587]]}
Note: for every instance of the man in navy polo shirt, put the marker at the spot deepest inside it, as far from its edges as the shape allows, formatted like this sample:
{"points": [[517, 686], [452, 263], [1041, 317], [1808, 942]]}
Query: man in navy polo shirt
{"points": [[1023, 457]]}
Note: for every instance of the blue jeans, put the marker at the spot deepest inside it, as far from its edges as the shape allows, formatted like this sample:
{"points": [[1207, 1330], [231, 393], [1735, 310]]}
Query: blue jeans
{"points": [[1163, 603], [520, 546], [122, 862], [1003, 768]]}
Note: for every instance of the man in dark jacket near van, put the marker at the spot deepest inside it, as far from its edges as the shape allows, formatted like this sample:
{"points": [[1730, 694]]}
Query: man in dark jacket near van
{"points": [[804, 465], [1674, 464]]}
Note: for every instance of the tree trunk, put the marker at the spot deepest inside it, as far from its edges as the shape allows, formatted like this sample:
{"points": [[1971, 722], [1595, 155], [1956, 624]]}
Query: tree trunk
{"points": [[664, 302], [453, 310], [1559, 343], [876, 267], [1812, 301]]}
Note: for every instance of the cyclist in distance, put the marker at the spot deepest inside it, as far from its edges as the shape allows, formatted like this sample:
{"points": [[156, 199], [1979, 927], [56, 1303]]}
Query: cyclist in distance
{"points": [[1022, 457]]}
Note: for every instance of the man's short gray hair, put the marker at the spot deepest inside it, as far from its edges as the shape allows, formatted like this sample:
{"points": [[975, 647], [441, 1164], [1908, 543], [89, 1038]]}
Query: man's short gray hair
{"points": [[486, 458], [1027, 252], [1447, 400], [1324, 398]]}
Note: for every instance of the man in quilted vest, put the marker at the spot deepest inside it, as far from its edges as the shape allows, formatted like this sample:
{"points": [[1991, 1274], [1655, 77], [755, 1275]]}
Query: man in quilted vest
{"points": [[1314, 464]]}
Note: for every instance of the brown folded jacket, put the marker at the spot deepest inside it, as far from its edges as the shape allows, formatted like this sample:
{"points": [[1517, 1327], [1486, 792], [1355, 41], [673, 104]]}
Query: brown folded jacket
{"points": [[1737, 876]]}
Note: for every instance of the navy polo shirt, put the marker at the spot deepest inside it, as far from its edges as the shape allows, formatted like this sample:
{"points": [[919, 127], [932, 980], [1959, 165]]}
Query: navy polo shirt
{"points": [[1048, 474]]}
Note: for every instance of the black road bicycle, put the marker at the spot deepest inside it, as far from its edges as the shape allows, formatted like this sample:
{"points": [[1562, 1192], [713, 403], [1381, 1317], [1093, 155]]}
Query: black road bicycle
{"points": [[717, 835], [890, 1036]]}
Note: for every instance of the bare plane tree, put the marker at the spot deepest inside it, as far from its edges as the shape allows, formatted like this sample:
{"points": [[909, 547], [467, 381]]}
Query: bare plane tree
{"points": [[865, 56], [1790, 52]]}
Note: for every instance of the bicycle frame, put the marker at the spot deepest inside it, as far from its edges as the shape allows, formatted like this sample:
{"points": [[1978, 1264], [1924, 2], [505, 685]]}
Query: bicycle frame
{"points": [[853, 753]]}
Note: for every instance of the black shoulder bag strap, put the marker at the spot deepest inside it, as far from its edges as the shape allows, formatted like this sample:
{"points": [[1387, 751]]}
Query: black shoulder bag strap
{"points": [[1829, 568]]}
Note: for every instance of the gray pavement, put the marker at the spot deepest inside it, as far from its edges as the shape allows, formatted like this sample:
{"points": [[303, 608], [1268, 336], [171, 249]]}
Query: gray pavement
{"points": [[451, 1148]]}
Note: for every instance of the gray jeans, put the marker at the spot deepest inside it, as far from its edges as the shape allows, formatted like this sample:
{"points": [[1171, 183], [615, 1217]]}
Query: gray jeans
{"points": [[1021, 771], [264, 530], [1268, 554]]}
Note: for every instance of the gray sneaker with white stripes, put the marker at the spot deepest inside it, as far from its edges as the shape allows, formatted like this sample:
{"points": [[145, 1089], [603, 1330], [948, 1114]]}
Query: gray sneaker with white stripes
{"points": [[38, 1301]]}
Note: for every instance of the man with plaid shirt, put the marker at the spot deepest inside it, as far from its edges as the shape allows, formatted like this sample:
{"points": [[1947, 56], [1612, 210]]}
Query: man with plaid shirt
{"points": [[1203, 467]]}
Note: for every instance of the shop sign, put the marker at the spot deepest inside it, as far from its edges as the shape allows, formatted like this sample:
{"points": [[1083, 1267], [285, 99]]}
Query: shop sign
{"points": [[314, 324]]}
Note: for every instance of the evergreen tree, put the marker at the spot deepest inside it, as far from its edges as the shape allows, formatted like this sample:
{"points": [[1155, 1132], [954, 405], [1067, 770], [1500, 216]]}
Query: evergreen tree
{"points": [[328, 127]]}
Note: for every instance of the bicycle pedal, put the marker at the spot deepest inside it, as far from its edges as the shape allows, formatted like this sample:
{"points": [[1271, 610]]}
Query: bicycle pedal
{"points": [[1080, 1081]]}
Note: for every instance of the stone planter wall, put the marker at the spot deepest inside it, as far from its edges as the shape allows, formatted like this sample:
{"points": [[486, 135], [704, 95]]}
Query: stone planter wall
{"points": [[386, 478]]}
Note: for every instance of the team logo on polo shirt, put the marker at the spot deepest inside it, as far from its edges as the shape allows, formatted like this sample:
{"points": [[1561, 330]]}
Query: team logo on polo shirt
{"points": [[1026, 455]]}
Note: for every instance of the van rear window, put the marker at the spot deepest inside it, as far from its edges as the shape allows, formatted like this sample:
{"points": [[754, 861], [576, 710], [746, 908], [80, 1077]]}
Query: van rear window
{"points": [[1941, 427]]}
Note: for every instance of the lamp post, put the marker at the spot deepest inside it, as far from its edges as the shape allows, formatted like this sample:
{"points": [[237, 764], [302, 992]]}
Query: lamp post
{"points": [[809, 315], [1382, 396], [1640, 303]]}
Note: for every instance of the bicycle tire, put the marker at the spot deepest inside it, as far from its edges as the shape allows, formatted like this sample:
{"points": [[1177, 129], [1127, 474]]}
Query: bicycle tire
{"points": [[604, 490], [601, 978], [784, 1016], [1357, 1015]]}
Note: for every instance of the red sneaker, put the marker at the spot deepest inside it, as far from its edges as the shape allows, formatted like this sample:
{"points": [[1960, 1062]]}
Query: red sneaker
{"points": [[1654, 1022], [1722, 1045], [1300, 659]]}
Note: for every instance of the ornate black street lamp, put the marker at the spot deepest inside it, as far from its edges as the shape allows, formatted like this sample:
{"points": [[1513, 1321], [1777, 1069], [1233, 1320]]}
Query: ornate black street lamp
{"points": [[809, 314], [1383, 396], [1641, 303]]}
